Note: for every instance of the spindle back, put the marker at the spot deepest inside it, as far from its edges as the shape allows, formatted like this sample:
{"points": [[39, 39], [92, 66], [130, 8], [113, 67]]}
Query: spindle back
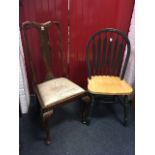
{"points": [[105, 52]]}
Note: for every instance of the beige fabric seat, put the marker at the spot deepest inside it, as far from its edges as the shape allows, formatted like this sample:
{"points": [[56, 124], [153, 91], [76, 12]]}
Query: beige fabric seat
{"points": [[58, 89], [108, 85]]}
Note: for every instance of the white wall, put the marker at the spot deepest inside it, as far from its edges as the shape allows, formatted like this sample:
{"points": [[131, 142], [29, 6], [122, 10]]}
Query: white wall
{"points": [[130, 72], [23, 84]]}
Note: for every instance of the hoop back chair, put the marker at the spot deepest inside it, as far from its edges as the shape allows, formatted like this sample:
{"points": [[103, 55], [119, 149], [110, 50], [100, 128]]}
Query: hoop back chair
{"points": [[52, 91], [104, 56]]}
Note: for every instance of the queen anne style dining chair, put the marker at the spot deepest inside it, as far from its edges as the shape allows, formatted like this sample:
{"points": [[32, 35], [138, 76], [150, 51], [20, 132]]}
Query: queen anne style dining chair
{"points": [[105, 54], [52, 91]]}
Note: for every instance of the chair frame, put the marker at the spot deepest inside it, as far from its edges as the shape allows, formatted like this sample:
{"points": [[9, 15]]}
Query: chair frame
{"points": [[123, 101], [46, 112]]}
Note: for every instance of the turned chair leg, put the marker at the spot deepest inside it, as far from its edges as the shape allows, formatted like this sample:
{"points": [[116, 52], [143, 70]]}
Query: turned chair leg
{"points": [[91, 106], [83, 111], [46, 116], [89, 109], [85, 108], [125, 110]]}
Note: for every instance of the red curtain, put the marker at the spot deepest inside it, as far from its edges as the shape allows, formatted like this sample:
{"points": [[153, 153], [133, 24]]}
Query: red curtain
{"points": [[83, 18], [43, 11], [88, 16]]}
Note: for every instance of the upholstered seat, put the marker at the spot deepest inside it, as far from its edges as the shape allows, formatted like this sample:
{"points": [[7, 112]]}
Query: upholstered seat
{"points": [[51, 92], [108, 85], [58, 89]]}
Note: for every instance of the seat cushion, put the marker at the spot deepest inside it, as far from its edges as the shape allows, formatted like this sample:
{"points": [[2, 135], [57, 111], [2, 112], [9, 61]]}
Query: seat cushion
{"points": [[108, 85], [57, 89]]}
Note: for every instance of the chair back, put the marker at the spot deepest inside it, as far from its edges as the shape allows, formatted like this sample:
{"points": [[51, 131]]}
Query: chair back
{"points": [[44, 46], [105, 53]]}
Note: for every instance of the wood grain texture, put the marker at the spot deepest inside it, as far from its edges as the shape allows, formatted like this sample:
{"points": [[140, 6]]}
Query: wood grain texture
{"points": [[108, 85]]}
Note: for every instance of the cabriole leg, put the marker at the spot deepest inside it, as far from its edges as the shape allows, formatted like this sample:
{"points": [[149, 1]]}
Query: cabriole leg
{"points": [[46, 116]]}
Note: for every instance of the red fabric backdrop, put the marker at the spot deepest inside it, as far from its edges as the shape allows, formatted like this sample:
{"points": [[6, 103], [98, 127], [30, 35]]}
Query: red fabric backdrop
{"points": [[43, 11], [88, 16], [85, 17]]}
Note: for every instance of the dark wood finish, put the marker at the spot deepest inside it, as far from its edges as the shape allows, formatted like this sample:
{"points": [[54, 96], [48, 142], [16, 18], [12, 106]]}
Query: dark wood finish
{"points": [[45, 48], [45, 118], [104, 52], [99, 51], [91, 108], [124, 101], [85, 109], [45, 51], [111, 54], [125, 110], [107, 53]]}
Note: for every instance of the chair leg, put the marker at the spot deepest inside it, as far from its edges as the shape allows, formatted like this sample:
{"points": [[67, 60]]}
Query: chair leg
{"points": [[37, 105], [46, 116], [85, 105], [125, 110], [89, 109]]}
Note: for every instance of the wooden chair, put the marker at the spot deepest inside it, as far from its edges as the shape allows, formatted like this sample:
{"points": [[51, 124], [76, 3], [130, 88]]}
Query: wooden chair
{"points": [[104, 56], [52, 91]]}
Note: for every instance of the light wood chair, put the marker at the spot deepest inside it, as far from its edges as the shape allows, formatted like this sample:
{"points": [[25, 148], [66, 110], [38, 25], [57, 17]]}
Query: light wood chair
{"points": [[104, 56], [51, 92]]}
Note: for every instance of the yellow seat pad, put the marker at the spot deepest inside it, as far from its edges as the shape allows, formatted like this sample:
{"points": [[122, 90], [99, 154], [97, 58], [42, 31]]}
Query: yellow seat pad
{"points": [[108, 85]]}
